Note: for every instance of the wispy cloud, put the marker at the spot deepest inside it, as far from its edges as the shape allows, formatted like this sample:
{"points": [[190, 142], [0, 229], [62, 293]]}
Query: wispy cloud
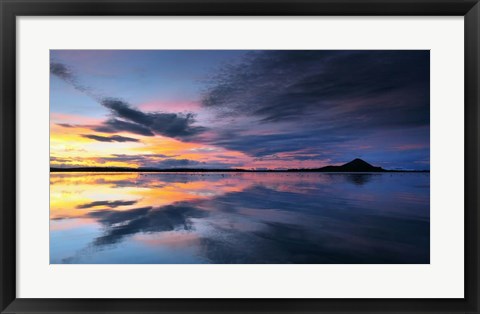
{"points": [[66, 125], [113, 138], [66, 74], [109, 204], [384, 87]]}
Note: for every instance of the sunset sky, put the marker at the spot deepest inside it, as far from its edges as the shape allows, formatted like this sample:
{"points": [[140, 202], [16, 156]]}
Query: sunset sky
{"points": [[239, 109]]}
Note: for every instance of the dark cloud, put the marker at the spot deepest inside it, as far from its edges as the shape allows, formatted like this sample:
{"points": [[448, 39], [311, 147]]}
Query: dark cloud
{"points": [[62, 71], [124, 157], [69, 165], [269, 144], [149, 160], [66, 74], [383, 87], [115, 125], [114, 138], [66, 125], [109, 204], [323, 101], [177, 125], [178, 163]]}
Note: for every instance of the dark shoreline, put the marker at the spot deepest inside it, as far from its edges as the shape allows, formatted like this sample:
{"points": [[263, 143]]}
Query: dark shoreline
{"points": [[355, 166], [95, 169]]}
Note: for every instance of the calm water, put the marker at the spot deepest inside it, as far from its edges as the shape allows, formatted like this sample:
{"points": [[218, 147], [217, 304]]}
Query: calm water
{"points": [[239, 218]]}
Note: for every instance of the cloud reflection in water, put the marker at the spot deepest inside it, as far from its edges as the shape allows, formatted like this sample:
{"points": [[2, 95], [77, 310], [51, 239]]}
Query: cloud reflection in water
{"points": [[240, 218]]}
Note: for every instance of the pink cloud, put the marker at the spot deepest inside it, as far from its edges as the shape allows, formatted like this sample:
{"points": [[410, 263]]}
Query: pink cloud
{"points": [[166, 106]]}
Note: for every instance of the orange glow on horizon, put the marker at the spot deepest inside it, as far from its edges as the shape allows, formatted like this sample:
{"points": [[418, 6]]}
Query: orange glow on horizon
{"points": [[70, 148]]}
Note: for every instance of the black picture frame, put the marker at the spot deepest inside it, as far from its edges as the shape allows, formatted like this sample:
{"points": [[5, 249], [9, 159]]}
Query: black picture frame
{"points": [[9, 303]]}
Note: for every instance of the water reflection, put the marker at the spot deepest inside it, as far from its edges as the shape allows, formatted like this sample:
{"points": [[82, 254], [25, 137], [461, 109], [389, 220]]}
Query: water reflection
{"points": [[239, 218]]}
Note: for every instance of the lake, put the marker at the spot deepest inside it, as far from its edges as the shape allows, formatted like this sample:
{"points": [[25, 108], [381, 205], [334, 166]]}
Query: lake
{"points": [[243, 218]]}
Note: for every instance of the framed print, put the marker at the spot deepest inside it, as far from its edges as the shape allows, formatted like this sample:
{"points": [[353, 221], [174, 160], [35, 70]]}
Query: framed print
{"points": [[198, 156], [199, 194]]}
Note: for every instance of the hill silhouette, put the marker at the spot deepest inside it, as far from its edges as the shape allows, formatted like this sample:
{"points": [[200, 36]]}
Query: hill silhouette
{"points": [[356, 165]]}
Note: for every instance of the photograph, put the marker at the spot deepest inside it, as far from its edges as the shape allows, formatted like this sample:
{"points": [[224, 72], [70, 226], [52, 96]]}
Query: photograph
{"points": [[239, 157]]}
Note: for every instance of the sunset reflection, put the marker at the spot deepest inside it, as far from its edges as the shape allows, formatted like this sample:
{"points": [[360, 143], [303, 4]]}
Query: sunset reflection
{"points": [[239, 218]]}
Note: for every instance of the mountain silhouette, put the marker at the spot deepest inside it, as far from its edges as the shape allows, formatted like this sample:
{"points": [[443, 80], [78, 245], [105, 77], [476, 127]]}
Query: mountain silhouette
{"points": [[356, 165]]}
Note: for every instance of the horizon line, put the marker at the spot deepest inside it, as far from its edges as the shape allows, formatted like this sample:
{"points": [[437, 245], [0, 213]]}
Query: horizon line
{"points": [[132, 169]]}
